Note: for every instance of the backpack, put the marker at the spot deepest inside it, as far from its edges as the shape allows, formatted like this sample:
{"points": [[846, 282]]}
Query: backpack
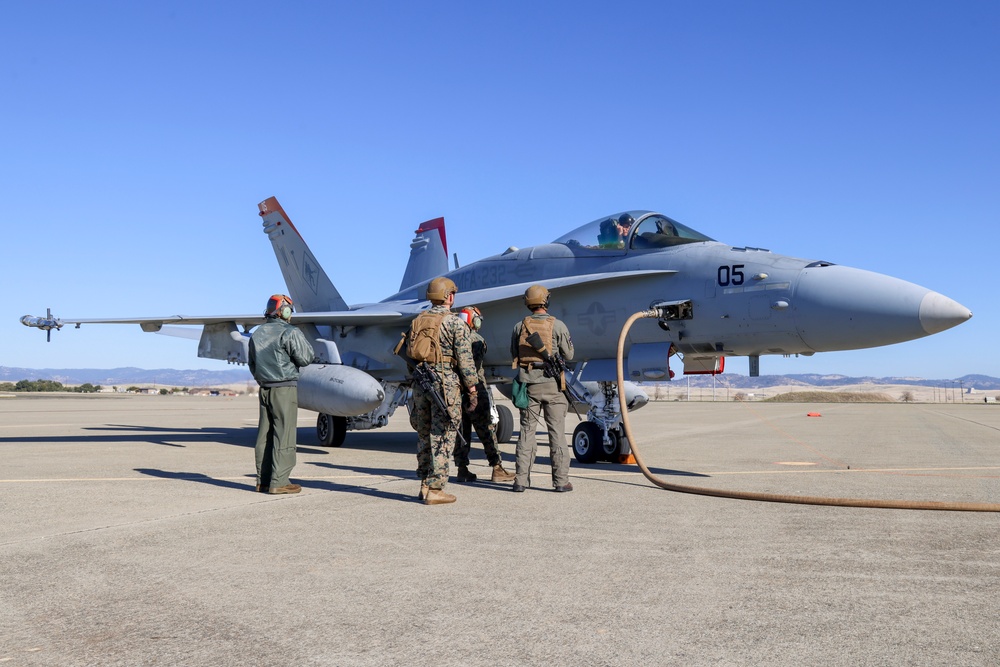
{"points": [[425, 338]]}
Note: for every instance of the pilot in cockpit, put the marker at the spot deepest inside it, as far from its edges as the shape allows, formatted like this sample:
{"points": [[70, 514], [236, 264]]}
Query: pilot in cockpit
{"points": [[614, 231]]}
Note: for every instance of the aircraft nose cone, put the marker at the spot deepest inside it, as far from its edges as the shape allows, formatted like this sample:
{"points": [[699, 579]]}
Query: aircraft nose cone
{"points": [[938, 312], [843, 308]]}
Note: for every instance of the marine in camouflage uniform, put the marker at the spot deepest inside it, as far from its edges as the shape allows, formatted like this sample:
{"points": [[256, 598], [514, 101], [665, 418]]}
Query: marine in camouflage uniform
{"points": [[479, 418], [435, 428]]}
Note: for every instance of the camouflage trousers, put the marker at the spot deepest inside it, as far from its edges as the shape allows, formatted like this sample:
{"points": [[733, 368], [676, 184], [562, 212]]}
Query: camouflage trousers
{"points": [[436, 429], [480, 419]]}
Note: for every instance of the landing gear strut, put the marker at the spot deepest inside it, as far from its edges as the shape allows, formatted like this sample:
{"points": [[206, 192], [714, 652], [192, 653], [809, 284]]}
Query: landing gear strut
{"points": [[601, 438]]}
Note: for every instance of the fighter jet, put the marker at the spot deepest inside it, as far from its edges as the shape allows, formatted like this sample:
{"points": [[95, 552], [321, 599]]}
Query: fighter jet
{"points": [[716, 301]]}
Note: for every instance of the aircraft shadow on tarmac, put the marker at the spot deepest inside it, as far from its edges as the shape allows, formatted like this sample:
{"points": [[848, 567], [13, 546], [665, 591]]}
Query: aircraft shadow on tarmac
{"points": [[393, 442], [154, 435], [321, 485], [326, 485], [317, 484], [164, 435], [201, 478], [375, 472], [383, 441]]}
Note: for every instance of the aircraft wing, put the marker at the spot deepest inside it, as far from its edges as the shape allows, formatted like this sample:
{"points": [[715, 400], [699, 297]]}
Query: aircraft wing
{"points": [[363, 316], [516, 291], [399, 312]]}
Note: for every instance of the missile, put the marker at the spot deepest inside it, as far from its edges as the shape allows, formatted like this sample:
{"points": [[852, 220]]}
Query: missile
{"points": [[43, 323], [46, 324]]}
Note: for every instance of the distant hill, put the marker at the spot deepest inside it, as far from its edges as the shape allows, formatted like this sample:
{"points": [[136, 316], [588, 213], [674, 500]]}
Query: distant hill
{"points": [[736, 381], [209, 378], [108, 377]]}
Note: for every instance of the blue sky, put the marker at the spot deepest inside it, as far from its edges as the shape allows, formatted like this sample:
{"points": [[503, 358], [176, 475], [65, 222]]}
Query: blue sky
{"points": [[139, 138]]}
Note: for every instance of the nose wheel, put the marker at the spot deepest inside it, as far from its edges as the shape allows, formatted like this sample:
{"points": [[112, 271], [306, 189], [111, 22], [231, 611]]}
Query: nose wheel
{"points": [[589, 445]]}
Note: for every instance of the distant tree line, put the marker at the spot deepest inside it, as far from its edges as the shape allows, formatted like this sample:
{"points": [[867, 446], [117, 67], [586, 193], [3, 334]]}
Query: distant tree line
{"points": [[47, 385]]}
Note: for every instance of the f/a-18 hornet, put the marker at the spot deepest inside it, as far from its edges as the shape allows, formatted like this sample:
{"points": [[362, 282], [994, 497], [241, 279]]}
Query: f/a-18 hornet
{"points": [[716, 301]]}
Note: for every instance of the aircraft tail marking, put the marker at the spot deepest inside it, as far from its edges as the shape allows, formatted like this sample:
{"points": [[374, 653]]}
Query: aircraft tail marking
{"points": [[308, 285], [428, 254]]}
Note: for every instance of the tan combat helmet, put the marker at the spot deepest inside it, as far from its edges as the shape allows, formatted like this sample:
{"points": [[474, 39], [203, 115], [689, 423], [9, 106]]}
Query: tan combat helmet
{"points": [[439, 289], [536, 296]]}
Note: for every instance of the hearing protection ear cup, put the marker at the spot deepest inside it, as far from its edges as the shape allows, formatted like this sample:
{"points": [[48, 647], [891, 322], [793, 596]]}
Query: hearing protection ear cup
{"points": [[279, 305]]}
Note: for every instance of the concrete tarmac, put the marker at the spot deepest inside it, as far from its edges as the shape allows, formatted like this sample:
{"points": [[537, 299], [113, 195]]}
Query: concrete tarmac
{"points": [[131, 535]]}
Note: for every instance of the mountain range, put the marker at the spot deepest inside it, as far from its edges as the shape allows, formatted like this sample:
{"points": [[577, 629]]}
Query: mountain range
{"points": [[128, 376], [209, 378]]}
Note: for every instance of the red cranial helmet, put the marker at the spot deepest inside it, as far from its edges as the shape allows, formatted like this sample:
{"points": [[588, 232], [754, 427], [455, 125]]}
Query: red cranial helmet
{"points": [[279, 305]]}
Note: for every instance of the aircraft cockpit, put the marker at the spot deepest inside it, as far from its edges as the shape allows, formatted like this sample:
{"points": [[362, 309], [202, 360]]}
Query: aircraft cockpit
{"points": [[637, 230]]}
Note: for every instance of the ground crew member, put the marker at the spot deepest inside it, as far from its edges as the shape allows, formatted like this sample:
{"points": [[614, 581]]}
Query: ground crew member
{"points": [[545, 393], [439, 343], [277, 352], [480, 417]]}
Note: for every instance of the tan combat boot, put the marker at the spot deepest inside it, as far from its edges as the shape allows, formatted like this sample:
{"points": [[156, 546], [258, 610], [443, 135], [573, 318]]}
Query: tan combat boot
{"points": [[438, 497], [423, 490], [501, 475]]}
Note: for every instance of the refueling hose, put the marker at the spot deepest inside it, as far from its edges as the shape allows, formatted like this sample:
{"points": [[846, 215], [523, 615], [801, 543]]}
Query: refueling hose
{"points": [[767, 497]]}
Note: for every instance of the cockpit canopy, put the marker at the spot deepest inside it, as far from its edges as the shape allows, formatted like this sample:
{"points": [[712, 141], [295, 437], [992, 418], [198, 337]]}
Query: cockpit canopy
{"points": [[637, 230]]}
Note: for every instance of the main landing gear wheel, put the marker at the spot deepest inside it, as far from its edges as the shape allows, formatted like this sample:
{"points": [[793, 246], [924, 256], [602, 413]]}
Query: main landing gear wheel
{"points": [[587, 442], [505, 427], [331, 430]]}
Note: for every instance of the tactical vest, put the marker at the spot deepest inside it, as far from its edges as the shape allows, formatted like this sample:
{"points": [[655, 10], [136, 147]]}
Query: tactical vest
{"points": [[425, 338], [526, 355]]}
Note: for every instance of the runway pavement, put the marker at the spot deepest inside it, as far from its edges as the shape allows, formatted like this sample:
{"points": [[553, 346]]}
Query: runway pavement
{"points": [[131, 535]]}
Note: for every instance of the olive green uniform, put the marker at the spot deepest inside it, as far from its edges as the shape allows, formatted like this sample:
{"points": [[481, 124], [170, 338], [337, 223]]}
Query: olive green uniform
{"points": [[277, 351], [544, 398]]}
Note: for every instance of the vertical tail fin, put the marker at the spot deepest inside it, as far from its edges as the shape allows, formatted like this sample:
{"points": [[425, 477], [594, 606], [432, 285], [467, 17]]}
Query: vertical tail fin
{"points": [[307, 282], [428, 254]]}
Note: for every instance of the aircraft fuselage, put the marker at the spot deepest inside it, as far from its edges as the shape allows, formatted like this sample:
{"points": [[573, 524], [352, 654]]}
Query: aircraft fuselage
{"points": [[744, 302]]}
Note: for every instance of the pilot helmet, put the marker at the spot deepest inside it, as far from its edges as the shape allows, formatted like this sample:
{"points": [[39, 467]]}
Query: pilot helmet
{"points": [[471, 316], [536, 296], [439, 289], [279, 305], [625, 220]]}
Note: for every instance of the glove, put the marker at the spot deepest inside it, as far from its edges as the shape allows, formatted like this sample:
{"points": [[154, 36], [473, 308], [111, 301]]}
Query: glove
{"points": [[472, 403]]}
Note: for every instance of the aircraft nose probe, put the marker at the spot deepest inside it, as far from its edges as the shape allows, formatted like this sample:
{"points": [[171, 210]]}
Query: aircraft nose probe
{"points": [[662, 312]]}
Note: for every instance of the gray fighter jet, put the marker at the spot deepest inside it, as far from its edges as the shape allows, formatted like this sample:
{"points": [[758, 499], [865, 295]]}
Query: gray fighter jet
{"points": [[717, 300]]}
